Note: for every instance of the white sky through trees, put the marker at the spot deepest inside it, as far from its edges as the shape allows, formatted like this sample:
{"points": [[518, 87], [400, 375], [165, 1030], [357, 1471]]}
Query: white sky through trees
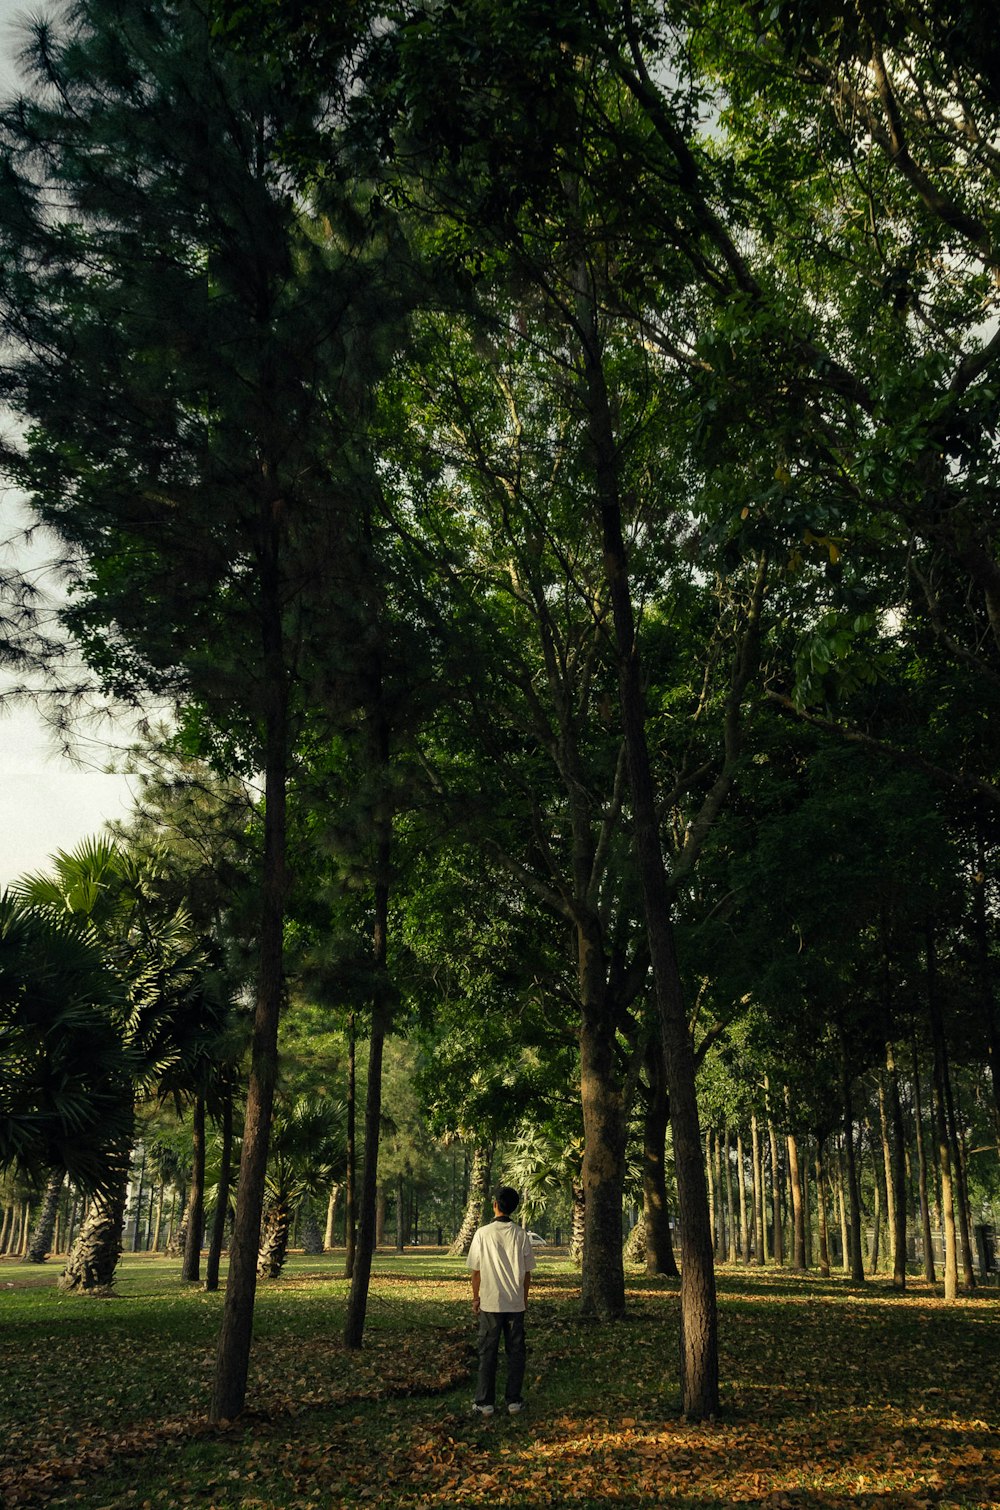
{"points": [[48, 801]]}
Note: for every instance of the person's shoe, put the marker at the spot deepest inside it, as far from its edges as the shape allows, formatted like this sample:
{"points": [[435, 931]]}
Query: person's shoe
{"points": [[513, 1406], [481, 1410]]}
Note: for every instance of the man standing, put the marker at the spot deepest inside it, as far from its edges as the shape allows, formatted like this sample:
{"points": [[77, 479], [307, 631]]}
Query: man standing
{"points": [[501, 1259]]}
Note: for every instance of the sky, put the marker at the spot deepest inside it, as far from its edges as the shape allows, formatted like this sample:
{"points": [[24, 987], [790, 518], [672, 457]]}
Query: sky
{"points": [[48, 801]]}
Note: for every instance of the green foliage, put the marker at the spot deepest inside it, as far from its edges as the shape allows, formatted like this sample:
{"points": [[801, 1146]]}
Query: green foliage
{"points": [[65, 1072]]}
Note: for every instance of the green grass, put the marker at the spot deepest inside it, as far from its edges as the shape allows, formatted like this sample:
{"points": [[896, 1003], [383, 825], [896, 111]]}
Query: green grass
{"points": [[834, 1395]]}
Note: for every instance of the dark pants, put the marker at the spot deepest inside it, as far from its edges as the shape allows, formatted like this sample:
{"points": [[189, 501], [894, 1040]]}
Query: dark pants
{"points": [[493, 1325]]}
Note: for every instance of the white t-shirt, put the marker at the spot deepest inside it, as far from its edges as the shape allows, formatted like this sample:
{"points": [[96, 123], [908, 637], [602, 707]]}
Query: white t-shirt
{"points": [[503, 1254]]}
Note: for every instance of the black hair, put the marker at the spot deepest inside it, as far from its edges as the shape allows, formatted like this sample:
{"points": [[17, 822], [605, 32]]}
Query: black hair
{"points": [[506, 1198]]}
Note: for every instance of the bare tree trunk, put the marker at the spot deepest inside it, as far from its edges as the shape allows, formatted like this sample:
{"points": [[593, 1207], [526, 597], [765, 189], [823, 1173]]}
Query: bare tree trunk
{"points": [[925, 1206], [659, 1250], [602, 1281], [776, 1238], [400, 1216], [713, 1215], [857, 1267], [730, 1213], [90, 1268], [476, 1203], [897, 1169], [742, 1188], [329, 1236], [191, 1267], [233, 1356], [274, 1240], [941, 1123], [795, 1186], [821, 1222], [7, 1228], [40, 1243], [758, 1192], [221, 1214], [357, 1303], [845, 1235], [877, 1218], [350, 1187], [579, 1231]]}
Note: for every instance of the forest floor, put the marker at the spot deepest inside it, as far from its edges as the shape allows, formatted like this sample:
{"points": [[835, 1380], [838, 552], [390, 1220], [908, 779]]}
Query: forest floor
{"points": [[833, 1395]]}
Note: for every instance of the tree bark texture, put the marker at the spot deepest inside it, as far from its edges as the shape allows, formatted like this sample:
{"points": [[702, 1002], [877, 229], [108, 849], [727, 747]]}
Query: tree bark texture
{"points": [[381, 1022], [40, 1242], [233, 1356], [602, 1285], [760, 1256], [798, 1205], [221, 1212], [939, 1097], [658, 1244], [741, 1179], [476, 1203], [191, 1267], [274, 1240], [922, 1190], [821, 1211], [90, 1268], [699, 1365], [350, 1181]]}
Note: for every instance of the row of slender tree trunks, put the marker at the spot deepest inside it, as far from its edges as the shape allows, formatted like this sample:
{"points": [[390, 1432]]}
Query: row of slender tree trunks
{"points": [[776, 1197]]}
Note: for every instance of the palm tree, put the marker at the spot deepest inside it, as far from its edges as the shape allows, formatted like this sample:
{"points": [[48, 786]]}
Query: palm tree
{"points": [[65, 1072], [101, 891], [308, 1151]]}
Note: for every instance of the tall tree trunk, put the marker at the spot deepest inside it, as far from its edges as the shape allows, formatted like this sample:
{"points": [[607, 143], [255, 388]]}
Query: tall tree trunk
{"points": [[357, 1301], [991, 1015], [22, 1241], [924, 1198], [40, 1243], [380, 1210], [713, 1214], [960, 1182], [90, 1268], [350, 1183], [579, 1226], [274, 1240], [330, 1234], [798, 1205], [602, 1281], [821, 1222], [221, 1212], [731, 1215], [877, 1217], [476, 1202], [137, 1220], [845, 1231], [941, 1123], [897, 1168], [777, 1245], [795, 1187], [857, 1267], [758, 1192], [74, 1207], [233, 1356], [400, 1216], [7, 1228], [191, 1267], [699, 1370], [742, 1188], [656, 1217]]}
